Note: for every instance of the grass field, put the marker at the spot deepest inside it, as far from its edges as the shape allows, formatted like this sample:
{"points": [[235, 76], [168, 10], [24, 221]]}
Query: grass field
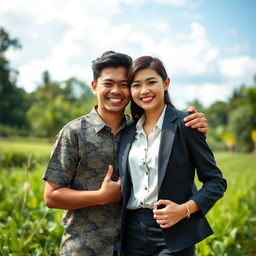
{"points": [[27, 227]]}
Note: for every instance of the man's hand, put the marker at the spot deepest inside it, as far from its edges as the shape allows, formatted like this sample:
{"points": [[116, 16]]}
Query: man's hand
{"points": [[196, 120], [110, 191], [171, 214]]}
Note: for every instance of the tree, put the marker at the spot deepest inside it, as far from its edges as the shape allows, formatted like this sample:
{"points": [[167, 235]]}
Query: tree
{"points": [[240, 122], [253, 135], [197, 104], [56, 103], [14, 101], [217, 114]]}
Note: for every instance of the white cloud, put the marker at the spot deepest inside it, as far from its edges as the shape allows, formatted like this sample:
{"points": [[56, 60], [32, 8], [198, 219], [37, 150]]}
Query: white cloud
{"points": [[240, 69], [88, 28], [238, 49], [178, 3], [207, 93], [192, 15], [191, 54]]}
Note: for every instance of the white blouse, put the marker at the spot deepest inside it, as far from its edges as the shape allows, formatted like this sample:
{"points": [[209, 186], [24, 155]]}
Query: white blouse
{"points": [[143, 165]]}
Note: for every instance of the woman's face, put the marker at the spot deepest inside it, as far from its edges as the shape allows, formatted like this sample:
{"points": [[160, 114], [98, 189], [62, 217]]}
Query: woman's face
{"points": [[147, 89]]}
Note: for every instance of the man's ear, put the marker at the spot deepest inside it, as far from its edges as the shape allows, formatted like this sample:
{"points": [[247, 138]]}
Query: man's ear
{"points": [[94, 87], [167, 83]]}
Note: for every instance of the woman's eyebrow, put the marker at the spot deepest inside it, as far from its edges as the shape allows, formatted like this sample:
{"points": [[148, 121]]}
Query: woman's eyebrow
{"points": [[149, 78]]}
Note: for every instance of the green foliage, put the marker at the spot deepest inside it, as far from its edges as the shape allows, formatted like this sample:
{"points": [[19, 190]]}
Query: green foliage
{"points": [[7, 130], [14, 101], [233, 217], [240, 121], [237, 117], [57, 103], [197, 104], [14, 153], [217, 114], [27, 227]]}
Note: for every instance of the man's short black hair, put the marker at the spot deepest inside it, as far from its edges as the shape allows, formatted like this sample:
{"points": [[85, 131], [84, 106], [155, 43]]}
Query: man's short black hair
{"points": [[110, 59]]}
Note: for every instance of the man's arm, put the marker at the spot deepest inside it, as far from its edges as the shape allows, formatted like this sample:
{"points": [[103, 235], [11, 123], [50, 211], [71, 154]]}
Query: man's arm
{"points": [[70, 199], [196, 120]]}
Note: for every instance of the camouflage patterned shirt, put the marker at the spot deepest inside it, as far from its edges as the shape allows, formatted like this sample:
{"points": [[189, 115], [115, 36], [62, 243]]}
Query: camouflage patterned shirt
{"points": [[82, 152]]}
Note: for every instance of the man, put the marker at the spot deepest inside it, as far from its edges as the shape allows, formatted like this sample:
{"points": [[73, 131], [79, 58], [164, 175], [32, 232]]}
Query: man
{"points": [[76, 176]]}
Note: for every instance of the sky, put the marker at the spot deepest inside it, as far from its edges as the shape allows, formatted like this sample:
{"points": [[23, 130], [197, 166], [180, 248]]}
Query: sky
{"points": [[207, 46]]}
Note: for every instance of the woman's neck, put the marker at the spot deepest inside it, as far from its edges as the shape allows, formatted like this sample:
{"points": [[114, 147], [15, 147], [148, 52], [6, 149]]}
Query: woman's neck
{"points": [[151, 119]]}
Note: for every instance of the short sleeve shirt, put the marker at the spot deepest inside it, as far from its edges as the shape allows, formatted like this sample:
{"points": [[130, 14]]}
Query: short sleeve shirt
{"points": [[82, 152]]}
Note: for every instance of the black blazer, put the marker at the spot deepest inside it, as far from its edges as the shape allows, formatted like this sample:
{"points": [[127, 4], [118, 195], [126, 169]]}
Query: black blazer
{"points": [[182, 151]]}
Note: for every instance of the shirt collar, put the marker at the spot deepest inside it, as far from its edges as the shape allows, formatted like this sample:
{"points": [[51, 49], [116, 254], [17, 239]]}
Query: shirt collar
{"points": [[159, 123], [161, 119], [99, 124]]}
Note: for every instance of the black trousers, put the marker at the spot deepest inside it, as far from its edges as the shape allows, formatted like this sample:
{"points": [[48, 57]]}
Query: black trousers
{"points": [[144, 237]]}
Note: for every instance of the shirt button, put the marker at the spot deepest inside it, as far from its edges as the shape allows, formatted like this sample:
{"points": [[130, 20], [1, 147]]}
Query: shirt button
{"points": [[145, 188], [143, 162], [146, 173], [141, 203]]}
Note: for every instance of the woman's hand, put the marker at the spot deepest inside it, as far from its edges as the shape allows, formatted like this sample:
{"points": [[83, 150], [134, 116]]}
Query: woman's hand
{"points": [[170, 214]]}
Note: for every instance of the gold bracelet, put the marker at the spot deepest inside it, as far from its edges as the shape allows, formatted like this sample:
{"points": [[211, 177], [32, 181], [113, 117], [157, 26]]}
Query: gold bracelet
{"points": [[188, 211]]}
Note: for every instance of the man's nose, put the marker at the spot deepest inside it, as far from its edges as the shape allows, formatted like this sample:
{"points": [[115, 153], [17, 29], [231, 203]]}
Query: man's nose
{"points": [[115, 90]]}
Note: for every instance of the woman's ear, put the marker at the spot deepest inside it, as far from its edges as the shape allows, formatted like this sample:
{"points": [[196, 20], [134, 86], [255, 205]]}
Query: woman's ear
{"points": [[167, 83]]}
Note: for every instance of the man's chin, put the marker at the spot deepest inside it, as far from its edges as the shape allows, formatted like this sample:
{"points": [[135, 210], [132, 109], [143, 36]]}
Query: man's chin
{"points": [[116, 109]]}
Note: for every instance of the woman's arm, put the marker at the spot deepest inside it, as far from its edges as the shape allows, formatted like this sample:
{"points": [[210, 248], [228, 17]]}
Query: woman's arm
{"points": [[214, 185]]}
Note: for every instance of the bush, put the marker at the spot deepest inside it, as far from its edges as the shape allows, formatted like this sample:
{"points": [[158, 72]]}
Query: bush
{"points": [[9, 131]]}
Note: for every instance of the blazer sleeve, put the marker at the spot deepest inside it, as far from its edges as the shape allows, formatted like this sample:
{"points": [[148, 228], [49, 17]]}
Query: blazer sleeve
{"points": [[214, 185]]}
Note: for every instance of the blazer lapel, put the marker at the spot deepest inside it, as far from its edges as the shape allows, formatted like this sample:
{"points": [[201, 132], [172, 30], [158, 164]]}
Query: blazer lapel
{"points": [[166, 143], [126, 143]]}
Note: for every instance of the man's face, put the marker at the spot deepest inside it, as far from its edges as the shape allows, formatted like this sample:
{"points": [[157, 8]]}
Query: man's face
{"points": [[112, 90]]}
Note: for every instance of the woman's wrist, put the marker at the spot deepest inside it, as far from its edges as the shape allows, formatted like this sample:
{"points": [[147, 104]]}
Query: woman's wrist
{"points": [[187, 210], [183, 211]]}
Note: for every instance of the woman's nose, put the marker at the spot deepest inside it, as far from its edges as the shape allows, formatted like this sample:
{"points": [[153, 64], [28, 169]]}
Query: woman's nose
{"points": [[144, 90]]}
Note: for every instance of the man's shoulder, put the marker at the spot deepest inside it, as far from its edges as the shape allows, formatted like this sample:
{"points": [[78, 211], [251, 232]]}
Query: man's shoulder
{"points": [[78, 123]]}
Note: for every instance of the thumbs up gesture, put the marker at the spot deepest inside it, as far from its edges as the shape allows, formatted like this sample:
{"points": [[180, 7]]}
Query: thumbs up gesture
{"points": [[110, 190]]}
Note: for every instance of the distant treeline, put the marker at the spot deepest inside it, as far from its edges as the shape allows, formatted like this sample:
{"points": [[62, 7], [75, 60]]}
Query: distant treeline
{"points": [[232, 124]]}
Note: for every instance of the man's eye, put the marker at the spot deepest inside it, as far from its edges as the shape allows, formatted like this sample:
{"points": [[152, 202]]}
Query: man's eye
{"points": [[107, 84], [124, 85]]}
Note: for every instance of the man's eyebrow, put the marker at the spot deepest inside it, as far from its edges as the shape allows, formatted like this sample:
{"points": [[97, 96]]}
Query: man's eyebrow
{"points": [[111, 80], [107, 80], [149, 78]]}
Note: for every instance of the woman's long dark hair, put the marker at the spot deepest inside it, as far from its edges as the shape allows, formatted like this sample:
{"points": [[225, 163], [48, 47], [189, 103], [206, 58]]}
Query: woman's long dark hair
{"points": [[143, 63]]}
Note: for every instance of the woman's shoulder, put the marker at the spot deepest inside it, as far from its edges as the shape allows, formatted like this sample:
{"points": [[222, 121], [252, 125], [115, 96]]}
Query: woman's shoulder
{"points": [[181, 114], [176, 114]]}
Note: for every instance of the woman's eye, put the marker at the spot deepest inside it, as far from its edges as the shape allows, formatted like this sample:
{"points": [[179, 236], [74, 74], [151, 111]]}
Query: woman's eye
{"points": [[135, 85], [151, 82]]}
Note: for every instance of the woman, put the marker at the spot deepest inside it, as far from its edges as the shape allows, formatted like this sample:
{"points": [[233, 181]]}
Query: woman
{"points": [[163, 213]]}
